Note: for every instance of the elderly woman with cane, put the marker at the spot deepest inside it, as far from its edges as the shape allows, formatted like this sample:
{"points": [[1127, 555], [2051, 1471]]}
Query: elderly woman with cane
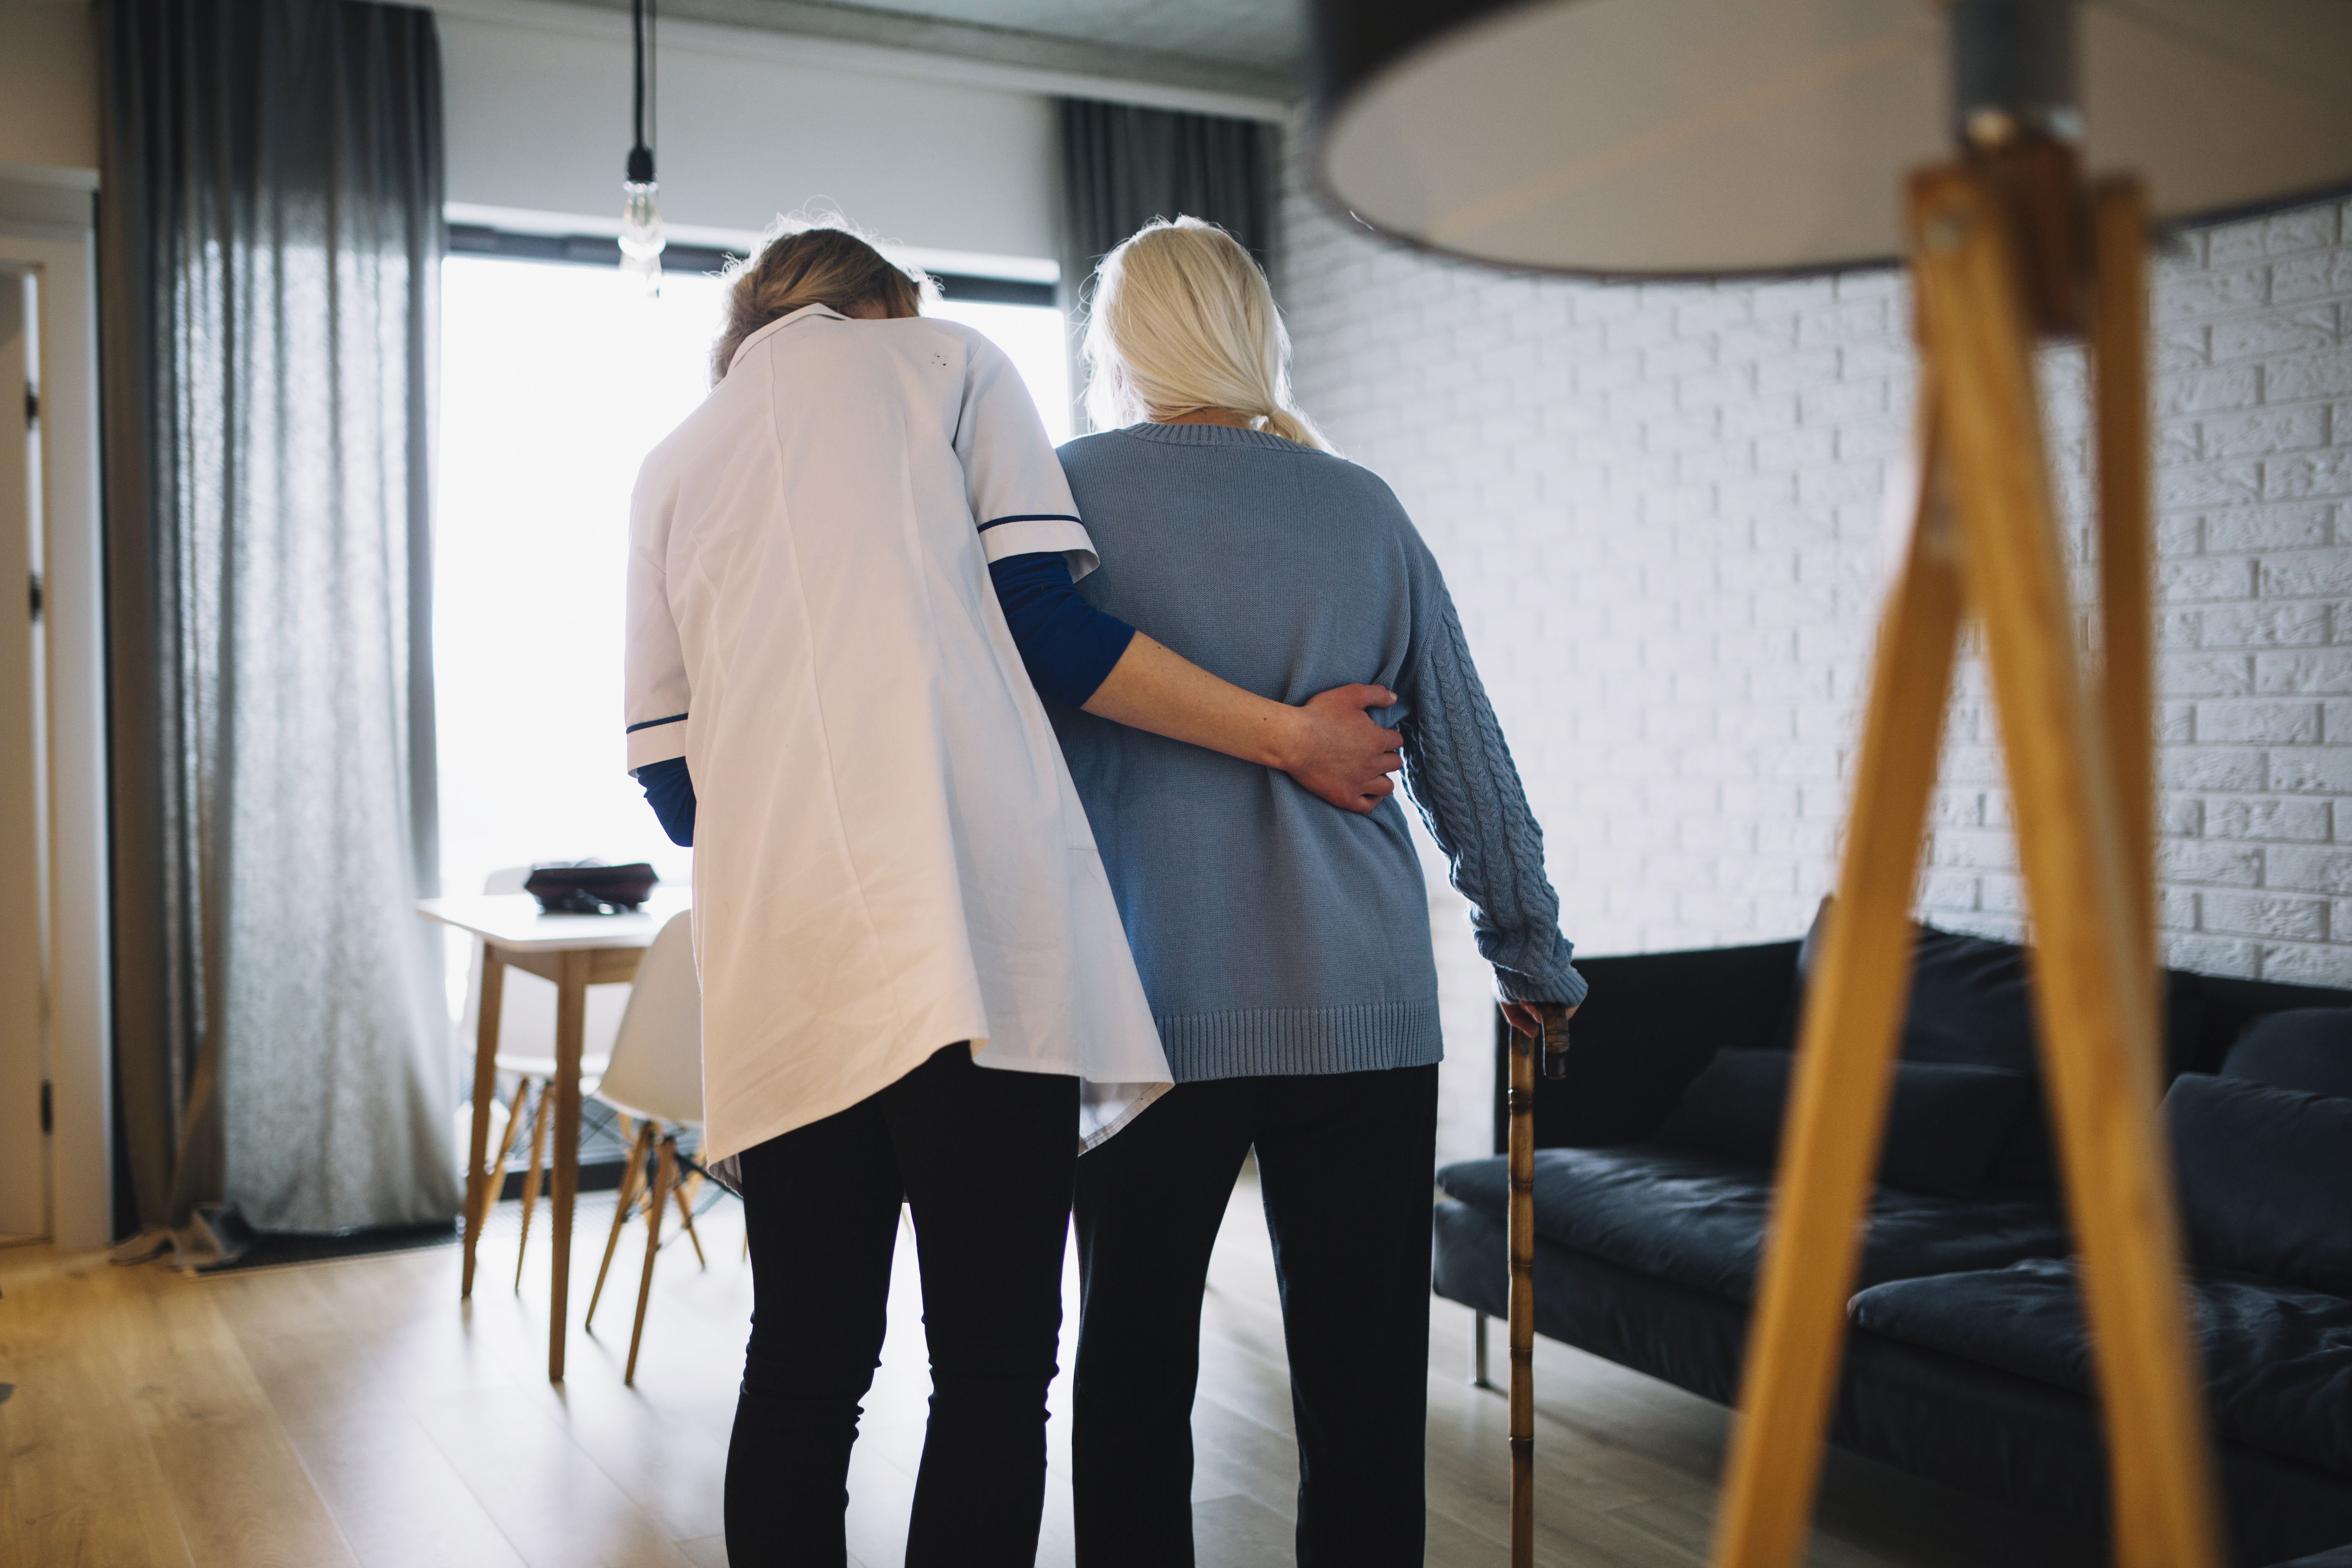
{"points": [[1285, 947], [912, 968]]}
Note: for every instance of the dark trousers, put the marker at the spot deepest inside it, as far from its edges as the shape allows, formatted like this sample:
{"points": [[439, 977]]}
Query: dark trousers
{"points": [[984, 1160], [1345, 1163]]}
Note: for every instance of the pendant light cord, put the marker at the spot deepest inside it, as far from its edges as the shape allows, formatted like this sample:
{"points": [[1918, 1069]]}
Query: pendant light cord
{"points": [[646, 104]]}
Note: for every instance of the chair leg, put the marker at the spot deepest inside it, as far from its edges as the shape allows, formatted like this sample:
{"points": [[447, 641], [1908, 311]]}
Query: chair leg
{"points": [[632, 1174], [684, 1192], [498, 1166], [664, 1175], [531, 1176]]}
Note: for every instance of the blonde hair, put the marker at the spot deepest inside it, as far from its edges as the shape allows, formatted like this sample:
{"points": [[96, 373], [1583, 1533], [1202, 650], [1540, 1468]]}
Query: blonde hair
{"points": [[1182, 320], [800, 262]]}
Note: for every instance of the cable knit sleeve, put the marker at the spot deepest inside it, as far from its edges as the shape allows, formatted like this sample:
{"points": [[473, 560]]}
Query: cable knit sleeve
{"points": [[1459, 774]]}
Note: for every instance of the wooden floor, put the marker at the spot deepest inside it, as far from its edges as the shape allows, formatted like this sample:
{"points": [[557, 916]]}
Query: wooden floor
{"points": [[354, 1413]]}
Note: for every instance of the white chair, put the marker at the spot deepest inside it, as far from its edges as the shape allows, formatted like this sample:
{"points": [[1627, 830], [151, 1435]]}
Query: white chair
{"points": [[526, 1053], [654, 1078]]}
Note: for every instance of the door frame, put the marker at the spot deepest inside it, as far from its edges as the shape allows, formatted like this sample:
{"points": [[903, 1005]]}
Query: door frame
{"points": [[73, 617]]}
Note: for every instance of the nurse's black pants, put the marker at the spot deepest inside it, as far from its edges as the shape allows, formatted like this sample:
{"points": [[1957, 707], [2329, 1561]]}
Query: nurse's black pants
{"points": [[984, 1157], [1345, 1165]]}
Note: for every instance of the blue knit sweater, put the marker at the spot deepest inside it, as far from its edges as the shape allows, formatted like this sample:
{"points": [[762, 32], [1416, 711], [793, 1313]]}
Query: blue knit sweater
{"points": [[1276, 934]]}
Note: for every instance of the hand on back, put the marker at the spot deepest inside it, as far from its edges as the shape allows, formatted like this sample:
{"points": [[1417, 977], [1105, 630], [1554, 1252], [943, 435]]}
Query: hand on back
{"points": [[1339, 753]]}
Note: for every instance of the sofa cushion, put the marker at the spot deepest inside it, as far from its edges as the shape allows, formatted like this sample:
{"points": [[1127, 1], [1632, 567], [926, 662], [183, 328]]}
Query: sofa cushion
{"points": [[2307, 1048], [1971, 1001], [1946, 1124], [2278, 1358], [2265, 1179], [1695, 1217]]}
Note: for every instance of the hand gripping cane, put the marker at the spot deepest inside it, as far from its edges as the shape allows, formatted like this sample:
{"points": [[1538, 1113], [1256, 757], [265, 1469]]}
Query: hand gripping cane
{"points": [[1523, 1268]]}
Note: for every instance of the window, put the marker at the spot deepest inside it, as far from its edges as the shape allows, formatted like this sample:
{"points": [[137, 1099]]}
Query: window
{"points": [[556, 380]]}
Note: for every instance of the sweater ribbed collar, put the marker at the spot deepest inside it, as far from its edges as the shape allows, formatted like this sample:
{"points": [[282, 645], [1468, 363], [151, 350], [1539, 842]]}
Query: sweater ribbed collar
{"points": [[1208, 436]]}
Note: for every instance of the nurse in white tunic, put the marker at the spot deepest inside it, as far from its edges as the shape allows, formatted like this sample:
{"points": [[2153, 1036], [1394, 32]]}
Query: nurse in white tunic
{"points": [[897, 889]]}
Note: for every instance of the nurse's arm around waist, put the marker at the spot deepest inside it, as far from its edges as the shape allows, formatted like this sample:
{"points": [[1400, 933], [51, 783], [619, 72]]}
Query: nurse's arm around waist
{"points": [[1329, 743], [1092, 661]]}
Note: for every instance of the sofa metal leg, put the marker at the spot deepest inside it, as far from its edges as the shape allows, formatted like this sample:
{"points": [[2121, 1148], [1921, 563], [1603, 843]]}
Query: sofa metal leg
{"points": [[1478, 1378]]}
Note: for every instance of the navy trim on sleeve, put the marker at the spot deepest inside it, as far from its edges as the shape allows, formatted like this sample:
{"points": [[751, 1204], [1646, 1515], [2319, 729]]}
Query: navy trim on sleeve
{"points": [[1068, 645], [1030, 517], [652, 723]]}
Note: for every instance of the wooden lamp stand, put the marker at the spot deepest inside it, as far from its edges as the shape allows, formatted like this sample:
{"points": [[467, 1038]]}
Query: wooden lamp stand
{"points": [[2008, 248]]}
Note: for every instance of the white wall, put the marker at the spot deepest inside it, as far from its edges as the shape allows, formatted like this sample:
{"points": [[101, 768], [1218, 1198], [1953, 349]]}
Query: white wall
{"points": [[1661, 512], [538, 118]]}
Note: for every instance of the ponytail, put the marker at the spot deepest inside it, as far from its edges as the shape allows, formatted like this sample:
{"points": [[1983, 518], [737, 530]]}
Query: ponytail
{"points": [[1182, 320]]}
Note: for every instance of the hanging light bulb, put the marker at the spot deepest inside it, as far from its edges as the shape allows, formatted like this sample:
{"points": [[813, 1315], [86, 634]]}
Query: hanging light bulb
{"points": [[641, 225]]}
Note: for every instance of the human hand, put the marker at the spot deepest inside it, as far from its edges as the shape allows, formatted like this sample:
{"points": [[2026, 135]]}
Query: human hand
{"points": [[1524, 1017], [1337, 753]]}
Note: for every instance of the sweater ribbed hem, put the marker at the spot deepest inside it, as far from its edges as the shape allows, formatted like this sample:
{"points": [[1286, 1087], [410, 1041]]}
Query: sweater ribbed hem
{"points": [[1301, 1042]]}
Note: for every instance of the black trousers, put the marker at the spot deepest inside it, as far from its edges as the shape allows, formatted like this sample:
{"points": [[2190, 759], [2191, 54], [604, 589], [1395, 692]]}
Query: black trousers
{"points": [[1345, 1164], [984, 1160]]}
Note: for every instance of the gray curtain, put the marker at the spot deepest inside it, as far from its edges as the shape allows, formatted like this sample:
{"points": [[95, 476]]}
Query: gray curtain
{"points": [[1122, 167], [270, 239]]}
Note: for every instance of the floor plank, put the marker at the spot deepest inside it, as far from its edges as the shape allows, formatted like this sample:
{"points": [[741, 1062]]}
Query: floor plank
{"points": [[358, 1412], [395, 1495], [240, 1494], [553, 1503], [82, 1485]]}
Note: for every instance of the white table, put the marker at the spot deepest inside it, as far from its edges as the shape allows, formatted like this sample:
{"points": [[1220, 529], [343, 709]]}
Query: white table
{"points": [[575, 951]]}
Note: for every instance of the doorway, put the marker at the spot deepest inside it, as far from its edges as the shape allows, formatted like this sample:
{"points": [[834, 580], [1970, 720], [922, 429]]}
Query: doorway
{"points": [[24, 1110], [56, 1144]]}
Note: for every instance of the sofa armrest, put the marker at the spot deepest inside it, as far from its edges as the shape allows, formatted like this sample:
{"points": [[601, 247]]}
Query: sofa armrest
{"points": [[1652, 1022]]}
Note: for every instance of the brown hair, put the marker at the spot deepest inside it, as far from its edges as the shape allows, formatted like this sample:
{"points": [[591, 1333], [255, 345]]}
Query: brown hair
{"points": [[798, 265]]}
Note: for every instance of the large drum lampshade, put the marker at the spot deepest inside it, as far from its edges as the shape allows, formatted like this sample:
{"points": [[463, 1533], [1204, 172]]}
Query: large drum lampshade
{"points": [[1718, 138]]}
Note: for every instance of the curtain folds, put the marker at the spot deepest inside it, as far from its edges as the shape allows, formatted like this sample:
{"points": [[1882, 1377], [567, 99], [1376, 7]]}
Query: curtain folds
{"points": [[1122, 167], [270, 244]]}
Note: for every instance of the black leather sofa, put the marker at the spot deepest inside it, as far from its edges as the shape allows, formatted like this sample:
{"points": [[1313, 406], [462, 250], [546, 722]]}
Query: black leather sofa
{"points": [[1966, 1358]]}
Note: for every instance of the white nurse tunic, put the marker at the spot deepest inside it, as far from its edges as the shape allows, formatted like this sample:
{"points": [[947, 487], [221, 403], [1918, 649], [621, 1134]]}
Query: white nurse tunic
{"points": [[889, 855]]}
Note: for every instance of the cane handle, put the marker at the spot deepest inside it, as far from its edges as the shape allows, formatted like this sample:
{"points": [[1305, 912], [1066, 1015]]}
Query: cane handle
{"points": [[1555, 1039]]}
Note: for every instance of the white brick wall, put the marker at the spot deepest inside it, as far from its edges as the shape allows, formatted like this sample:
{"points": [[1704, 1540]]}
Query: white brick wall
{"points": [[1662, 513]]}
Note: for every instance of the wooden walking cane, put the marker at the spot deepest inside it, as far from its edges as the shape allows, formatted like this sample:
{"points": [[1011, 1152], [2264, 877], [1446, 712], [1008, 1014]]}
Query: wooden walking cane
{"points": [[1523, 1268]]}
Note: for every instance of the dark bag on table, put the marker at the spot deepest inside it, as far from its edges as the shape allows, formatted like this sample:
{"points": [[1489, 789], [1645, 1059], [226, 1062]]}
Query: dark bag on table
{"points": [[586, 890]]}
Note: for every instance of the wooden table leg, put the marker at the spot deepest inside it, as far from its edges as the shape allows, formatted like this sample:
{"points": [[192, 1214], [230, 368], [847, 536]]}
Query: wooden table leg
{"points": [[478, 1190], [571, 1026]]}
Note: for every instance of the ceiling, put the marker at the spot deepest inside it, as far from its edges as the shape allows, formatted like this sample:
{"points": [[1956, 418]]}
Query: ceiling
{"points": [[1247, 46]]}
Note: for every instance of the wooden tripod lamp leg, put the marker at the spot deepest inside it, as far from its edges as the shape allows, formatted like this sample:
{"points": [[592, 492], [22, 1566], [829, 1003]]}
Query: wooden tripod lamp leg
{"points": [[2097, 1007], [1523, 1299], [1830, 1150]]}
